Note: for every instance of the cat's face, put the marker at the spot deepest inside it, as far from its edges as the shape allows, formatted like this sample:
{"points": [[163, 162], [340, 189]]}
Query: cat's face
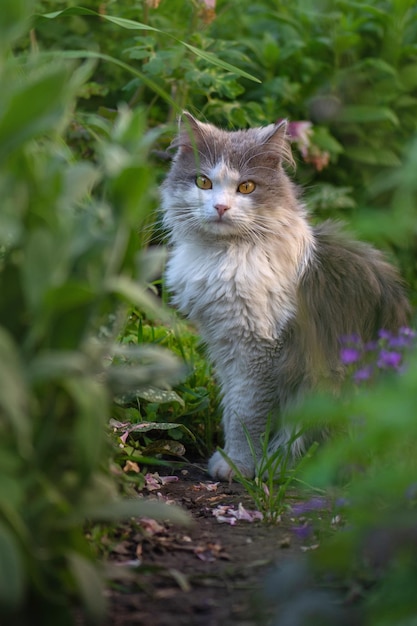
{"points": [[228, 184]]}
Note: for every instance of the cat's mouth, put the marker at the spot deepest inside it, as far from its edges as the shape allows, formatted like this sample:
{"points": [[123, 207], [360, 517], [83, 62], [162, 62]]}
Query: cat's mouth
{"points": [[219, 222], [219, 226], [219, 219]]}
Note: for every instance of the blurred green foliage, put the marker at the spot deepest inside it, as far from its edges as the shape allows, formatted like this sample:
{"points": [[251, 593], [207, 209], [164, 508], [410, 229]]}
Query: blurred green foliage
{"points": [[364, 570], [68, 259]]}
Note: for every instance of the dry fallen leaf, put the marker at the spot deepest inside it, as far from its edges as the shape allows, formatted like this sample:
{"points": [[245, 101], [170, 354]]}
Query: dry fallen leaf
{"points": [[209, 553], [151, 526], [131, 466], [151, 481], [208, 486], [122, 548], [155, 481], [129, 563], [314, 546], [165, 480], [225, 513]]}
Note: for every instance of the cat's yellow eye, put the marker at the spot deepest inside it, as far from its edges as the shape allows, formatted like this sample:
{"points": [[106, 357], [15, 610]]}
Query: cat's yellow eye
{"points": [[203, 182], [247, 187]]}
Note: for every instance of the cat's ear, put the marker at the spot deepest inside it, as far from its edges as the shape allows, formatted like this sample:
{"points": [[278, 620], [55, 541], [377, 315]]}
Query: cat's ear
{"points": [[277, 138], [190, 123], [189, 132]]}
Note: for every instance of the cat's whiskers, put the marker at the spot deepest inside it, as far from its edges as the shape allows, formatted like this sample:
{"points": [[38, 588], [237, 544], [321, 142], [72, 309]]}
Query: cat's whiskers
{"points": [[260, 228], [263, 153], [263, 167], [210, 153], [244, 159], [264, 150]]}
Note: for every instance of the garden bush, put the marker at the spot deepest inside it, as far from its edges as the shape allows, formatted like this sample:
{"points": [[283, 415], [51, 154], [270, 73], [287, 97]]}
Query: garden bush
{"points": [[69, 266], [362, 569]]}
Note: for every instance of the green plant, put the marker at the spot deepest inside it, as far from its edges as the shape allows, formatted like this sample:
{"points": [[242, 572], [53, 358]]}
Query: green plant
{"points": [[68, 258], [276, 474], [193, 402], [365, 571]]}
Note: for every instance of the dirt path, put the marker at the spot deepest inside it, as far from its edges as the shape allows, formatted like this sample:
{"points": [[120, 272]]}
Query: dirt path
{"points": [[204, 575]]}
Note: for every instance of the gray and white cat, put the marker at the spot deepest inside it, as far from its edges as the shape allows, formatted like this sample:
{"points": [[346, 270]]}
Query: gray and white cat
{"points": [[270, 293]]}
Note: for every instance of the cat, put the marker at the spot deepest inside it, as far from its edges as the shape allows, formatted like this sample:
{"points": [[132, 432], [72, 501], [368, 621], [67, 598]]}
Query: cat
{"points": [[271, 294]]}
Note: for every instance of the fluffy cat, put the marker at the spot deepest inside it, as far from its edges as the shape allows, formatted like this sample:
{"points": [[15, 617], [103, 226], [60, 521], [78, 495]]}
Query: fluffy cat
{"points": [[271, 294]]}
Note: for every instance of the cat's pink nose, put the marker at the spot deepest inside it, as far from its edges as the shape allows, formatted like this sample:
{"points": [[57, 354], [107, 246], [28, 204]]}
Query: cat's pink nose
{"points": [[221, 209]]}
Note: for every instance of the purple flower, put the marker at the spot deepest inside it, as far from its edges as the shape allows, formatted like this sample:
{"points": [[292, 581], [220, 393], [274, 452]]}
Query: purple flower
{"points": [[411, 492], [402, 341], [407, 332], [314, 504], [300, 132], [388, 359], [342, 502], [384, 334], [363, 373], [351, 339], [349, 355], [304, 531], [371, 345]]}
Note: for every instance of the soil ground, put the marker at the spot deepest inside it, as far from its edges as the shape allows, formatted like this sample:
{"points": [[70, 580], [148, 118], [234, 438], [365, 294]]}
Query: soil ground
{"points": [[208, 574]]}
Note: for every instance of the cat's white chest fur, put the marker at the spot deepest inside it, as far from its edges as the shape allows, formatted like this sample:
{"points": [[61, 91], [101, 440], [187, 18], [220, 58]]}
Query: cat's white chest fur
{"points": [[234, 288]]}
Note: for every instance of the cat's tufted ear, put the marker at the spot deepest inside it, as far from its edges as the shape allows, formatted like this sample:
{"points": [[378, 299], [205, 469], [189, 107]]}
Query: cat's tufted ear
{"points": [[276, 137], [189, 122], [189, 132]]}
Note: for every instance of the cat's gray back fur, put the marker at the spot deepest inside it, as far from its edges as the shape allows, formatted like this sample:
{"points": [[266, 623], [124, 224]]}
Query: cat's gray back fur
{"points": [[271, 294]]}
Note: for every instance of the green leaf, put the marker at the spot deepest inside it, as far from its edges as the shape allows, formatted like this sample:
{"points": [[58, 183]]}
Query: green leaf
{"points": [[325, 196], [160, 396], [14, 400], [69, 296], [136, 294], [134, 25], [211, 58], [366, 113], [46, 93], [13, 20], [44, 266], [12, 578], [377, 12], [165, 446], [376, 64], [91, 54], [79, 181], [120, 21], [90, 586], [92, 413], [324, 140], [408, 76], [53, 365], [151, 263], [373, 156], [12, 489], [125, 509], [145, 427]]}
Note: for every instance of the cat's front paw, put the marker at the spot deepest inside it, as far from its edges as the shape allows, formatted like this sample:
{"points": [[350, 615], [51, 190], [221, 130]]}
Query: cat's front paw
{"points": [[219, 468]]}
